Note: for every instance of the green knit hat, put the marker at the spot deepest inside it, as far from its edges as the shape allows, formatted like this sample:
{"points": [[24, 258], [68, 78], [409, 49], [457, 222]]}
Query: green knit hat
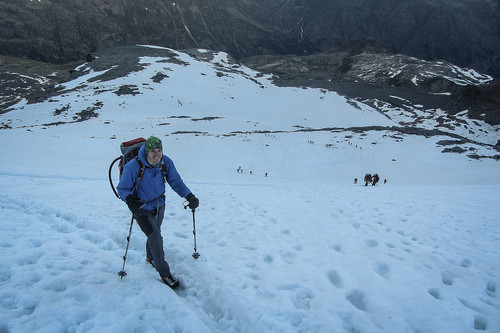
{"points": [[152, 143]]}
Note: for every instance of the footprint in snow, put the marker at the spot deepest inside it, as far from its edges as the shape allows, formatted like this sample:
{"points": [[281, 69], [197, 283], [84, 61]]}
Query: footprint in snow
{"points": [[435, 293], [491, 288], [35, 243], [357, 298], [336, 247], [466, 263], [407, 243], [268, 258], [371, 243], [480, 323], [447, 278], [5, 275], [335, 279], [30, 258], [302, 299], [8, 300], [28, 305], [382, 269]]}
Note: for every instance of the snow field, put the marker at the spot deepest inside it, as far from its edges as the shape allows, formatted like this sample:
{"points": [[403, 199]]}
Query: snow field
{"points": [[274, 257], [301, 250]]}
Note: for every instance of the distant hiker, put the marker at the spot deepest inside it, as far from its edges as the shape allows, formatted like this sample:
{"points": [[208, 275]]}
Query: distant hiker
{"points": [[368, 179], [355, 180], [385, 181], [146, 199], [375, 179]]}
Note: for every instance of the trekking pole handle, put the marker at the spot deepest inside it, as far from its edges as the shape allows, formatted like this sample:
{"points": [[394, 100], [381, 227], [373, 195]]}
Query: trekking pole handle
{"points": [[186, 205]]}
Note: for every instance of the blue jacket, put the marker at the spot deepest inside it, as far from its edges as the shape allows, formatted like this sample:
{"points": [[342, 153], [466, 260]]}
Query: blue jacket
{"points": [[151, 188]]}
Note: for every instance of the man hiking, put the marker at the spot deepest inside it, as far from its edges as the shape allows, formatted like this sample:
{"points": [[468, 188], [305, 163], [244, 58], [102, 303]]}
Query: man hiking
{"points": [[145, 197]]}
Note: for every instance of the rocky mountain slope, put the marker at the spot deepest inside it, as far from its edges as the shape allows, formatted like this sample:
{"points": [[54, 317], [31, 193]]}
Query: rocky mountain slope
{"points": [[466, 33], [368, 72], [410, 110], [363, 71]]}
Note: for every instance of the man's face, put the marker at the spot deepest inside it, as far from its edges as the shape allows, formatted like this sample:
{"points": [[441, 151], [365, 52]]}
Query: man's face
{"points": [[154, 156]]}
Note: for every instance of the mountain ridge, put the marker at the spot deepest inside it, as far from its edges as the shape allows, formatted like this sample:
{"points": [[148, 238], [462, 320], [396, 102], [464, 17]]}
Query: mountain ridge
{"points": [[466, 33]]}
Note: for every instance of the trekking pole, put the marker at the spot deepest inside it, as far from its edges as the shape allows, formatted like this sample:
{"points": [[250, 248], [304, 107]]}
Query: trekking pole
{"points": [[122, 273], [196, 255]]}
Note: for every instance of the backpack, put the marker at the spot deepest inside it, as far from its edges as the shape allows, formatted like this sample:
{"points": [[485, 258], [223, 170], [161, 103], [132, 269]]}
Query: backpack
{"points": [[130, 150]]}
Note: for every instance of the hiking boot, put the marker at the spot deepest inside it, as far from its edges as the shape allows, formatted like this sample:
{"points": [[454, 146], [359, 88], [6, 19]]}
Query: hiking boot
{"points": [[170, 281]]}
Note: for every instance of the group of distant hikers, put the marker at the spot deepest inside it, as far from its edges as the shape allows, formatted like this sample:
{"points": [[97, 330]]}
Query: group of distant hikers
{"points": [[370, 179]]}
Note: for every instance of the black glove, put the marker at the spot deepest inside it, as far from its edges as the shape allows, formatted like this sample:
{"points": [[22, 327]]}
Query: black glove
{"points": [[193, 201], [133, 203]]}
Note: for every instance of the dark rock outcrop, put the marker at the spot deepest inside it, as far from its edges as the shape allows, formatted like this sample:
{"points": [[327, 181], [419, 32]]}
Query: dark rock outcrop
{"points": [[32, 80]]}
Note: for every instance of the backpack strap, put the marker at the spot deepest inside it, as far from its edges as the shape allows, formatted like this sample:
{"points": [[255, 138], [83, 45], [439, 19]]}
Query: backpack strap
{"points": [[164, 171], [140, 174]]}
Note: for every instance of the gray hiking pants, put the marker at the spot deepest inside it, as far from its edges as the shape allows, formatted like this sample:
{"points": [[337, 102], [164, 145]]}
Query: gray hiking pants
{"points": [[150, 223]]}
